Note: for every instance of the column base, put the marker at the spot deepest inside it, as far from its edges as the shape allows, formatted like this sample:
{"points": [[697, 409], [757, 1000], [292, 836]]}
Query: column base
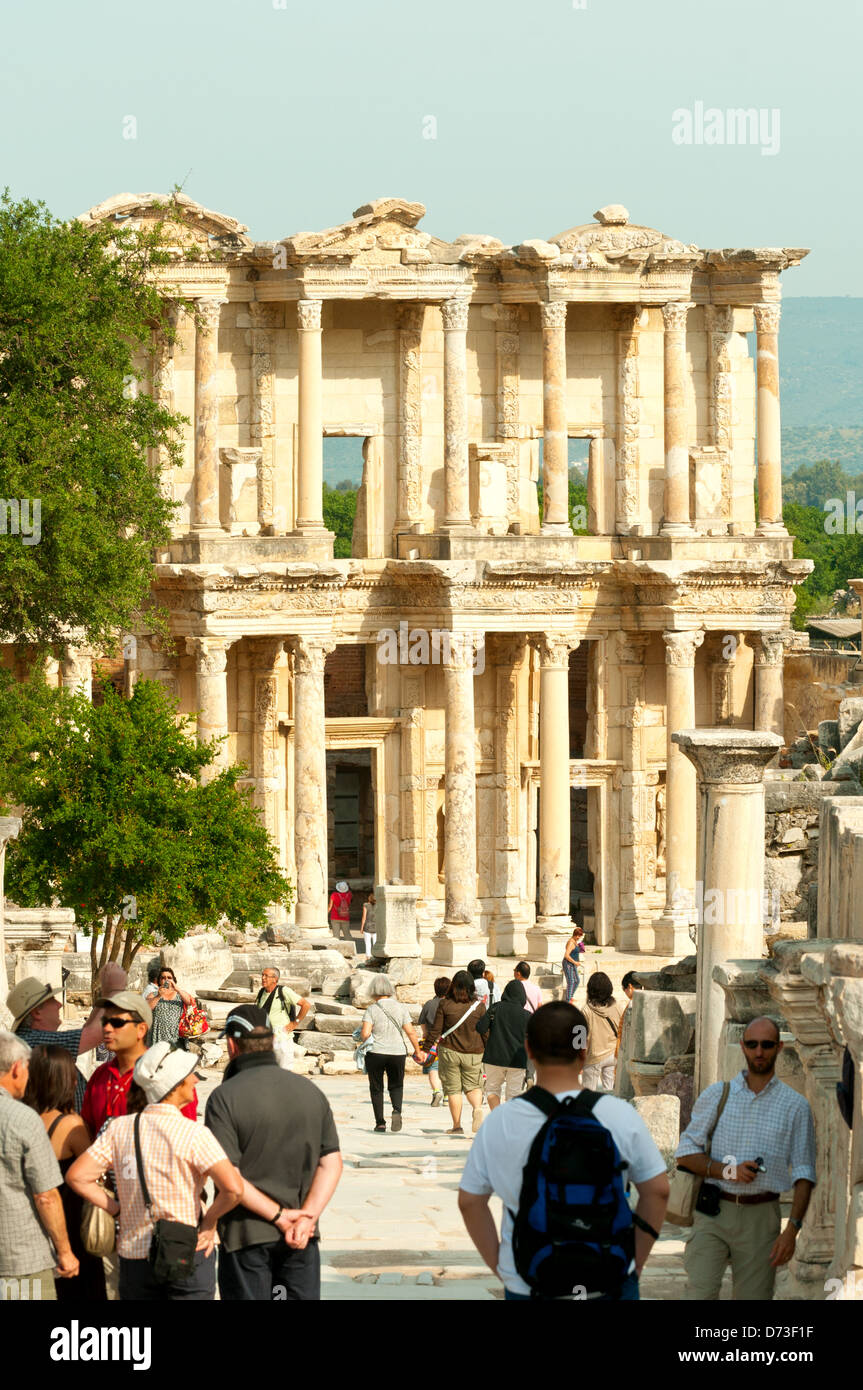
{"points": [[311, 528], [555, 528], [771, 528], [457, 528], [634, 931], [507, 934], [676, 528], [672, 935], [455, 945], [208, 531], [546, 940]]}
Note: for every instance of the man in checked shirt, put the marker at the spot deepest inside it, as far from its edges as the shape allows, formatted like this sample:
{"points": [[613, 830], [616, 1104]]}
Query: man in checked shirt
{"points": [[763, 1144]]}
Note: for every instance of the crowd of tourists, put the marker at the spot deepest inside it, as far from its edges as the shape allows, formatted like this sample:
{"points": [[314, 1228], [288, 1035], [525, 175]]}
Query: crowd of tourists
{"points": [[120, 1192]]}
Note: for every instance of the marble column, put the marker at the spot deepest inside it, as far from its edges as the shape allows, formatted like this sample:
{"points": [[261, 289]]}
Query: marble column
{"points": [[725, 647], [846, 965], [799, 997], [555, 440], [162, 386], [262, 426], [410, 508], [455, 451], [9, 828], [636, 787], [770, 682], [310, 785], [207, 415], [459, 938], [263, 657], [676, 521], [553, 924], [507, 345], [412, 779], [511, 920], [719, 321], [310, 431], [211, 698], [768, 430], [76, 671], [627, 495], [672, 932], [730, 764]]}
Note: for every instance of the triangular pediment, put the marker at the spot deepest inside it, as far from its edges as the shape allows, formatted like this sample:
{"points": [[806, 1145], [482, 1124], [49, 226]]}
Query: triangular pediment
{"points": [[613, 240], [384, 225]]}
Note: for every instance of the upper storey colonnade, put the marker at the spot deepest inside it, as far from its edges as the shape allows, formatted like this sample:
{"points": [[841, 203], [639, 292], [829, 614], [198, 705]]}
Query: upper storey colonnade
{"points": [[462, 365]]}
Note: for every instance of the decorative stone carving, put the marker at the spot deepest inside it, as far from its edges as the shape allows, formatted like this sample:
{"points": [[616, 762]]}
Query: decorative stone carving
{"points": [[680, 647], [454, 313], [410, 415], [553, 315], [309, 315], [767, 317]]}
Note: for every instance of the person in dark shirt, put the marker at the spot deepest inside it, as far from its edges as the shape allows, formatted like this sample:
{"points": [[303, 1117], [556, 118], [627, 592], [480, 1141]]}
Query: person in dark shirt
{"points": [[428, 1013], [278, 1129], [505, 1061]]}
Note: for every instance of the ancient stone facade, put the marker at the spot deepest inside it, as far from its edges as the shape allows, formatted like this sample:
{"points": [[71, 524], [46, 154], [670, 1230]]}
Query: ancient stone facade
{"points": [[466, 367]]}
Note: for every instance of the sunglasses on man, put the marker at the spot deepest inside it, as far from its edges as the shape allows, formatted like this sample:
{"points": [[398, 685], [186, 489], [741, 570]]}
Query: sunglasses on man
{"points": [[752, 1043]]}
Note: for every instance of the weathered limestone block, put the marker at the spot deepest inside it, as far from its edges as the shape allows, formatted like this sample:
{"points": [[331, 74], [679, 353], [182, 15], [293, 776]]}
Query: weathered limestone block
{"points": [[645, 1077], [335, 1023], [361, 987], [849, 720], [396, 921], [324, 1042], [662, 1024], [622, 1083], [343, 1065], [661, 1114], [338, 1007], [404, 970], [200, 959], [336, 983], [681, 1085]]}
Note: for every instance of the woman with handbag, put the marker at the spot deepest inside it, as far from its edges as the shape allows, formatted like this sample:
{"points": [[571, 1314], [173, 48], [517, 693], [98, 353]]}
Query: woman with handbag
{"points": [[387, 1022], [51, 1093], [168, 1010], [161, 1162]]}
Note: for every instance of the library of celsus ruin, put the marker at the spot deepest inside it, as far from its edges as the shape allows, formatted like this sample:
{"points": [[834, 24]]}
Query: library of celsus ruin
{"points": [[480, 700]]}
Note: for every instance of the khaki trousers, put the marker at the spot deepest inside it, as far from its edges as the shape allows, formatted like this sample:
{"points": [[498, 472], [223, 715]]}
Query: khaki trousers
{"points": [[29, 1288], [741, 1234]]}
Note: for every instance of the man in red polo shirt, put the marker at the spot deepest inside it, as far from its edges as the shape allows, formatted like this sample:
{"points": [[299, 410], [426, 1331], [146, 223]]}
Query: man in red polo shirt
{"points": [[125, 1024]]}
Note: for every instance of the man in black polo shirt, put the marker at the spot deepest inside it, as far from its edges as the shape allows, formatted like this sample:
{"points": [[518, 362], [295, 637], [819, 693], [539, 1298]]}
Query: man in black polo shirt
{"points": [[279, 1131]]}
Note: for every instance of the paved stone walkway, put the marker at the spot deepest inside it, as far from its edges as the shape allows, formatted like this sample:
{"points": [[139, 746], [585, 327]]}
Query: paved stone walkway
{"points": [[393, 1230]]}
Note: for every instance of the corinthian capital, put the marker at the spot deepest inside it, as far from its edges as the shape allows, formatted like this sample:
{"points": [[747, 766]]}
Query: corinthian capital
{"points": [[674, 314], [767, 317], [680, 647], [454, 313], [308, 314], [769, 649], [263, 653], [310, 655], [210, 653], [554, 650], [411, 317], [553, 315], [207, 312]]}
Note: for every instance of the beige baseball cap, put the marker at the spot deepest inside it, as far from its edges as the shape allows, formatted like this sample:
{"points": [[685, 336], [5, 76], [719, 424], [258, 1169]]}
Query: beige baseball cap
{"points": [[162, 1067], [130, 1001]]}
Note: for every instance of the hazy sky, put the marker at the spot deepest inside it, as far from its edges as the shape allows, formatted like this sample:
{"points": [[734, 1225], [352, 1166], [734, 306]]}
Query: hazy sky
{"points": [[289, 114]]}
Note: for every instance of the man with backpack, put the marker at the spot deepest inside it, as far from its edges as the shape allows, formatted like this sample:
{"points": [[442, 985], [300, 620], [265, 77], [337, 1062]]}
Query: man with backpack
{"points": [[557, 1137], [285, 1012]]}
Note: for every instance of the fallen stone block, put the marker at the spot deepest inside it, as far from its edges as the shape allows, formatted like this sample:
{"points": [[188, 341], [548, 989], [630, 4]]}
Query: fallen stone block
{"points": [[662, 1024], [324, 1042], [337, 1006], [403, 970], [361, 987], [661, 1114], [343, 1065], [336, 983], [849, 719], [645, 1077], [332, 1023]]}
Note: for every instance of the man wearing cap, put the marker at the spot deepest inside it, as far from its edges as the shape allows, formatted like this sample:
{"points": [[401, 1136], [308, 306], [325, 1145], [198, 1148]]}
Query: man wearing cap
{"points": [[36, 1012], [177, 1157], [279, 1131], [127, 1020]]}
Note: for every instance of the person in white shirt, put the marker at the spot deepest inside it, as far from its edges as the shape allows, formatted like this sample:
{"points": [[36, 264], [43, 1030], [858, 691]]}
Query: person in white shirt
{"points": [[501, 1148], [476, 970], [533, 991]]}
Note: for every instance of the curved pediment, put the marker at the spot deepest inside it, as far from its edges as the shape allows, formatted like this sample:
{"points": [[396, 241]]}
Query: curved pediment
{"points": [[613, 240], [383, 225], [188, 225]]}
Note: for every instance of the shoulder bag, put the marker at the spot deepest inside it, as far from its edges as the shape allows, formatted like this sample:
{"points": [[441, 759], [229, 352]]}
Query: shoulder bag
{"points": [[193, 1021], [685, 1186], [98, 1227], [172, 1250]]}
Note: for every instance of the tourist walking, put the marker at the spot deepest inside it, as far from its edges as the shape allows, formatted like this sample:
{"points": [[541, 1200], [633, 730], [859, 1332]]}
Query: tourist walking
{"points": [[494, 993], [126, 1021], [367, 925], [388, 1023], [285, 1010], [532, 990], [762, 1144], [571, 955], [459, 1048], [476, 970], [31, 1210], [503, 1027], [160, 1161], [51, 1093], [603, 1014], [629, 984], [425, 1023], [278, 1129], [339, 908], [503, 1162], [36, 1013], [168, 1010]]}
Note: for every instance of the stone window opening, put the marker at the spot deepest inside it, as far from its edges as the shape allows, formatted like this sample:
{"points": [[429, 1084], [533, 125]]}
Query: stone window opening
{"points": [[353, 490]]}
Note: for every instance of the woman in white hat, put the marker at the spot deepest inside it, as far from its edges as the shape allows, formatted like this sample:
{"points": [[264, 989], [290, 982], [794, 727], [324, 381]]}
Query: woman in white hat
{"points": [[339, 909]]}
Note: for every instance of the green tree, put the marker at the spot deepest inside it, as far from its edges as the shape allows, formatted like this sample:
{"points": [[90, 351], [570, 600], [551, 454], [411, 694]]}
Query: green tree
{"points": [[116, 825], [76, 306], [837, 558], [340, 509]]}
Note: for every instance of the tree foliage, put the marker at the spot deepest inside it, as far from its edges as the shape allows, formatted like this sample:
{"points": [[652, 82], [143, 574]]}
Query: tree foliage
{"points": [[340, 510], [116, 825], [76, 307]]}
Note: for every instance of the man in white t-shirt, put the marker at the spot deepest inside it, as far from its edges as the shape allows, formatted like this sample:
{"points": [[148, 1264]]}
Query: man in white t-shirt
{"points": [[501, 1148]]}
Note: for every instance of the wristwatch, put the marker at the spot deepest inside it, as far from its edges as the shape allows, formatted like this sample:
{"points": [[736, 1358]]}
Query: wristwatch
{"points": [[274, 1219], [795, 1223]]}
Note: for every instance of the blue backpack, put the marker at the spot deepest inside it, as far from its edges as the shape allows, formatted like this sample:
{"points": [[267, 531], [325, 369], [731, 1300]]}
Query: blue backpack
{"points": [[574, 1228]]}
